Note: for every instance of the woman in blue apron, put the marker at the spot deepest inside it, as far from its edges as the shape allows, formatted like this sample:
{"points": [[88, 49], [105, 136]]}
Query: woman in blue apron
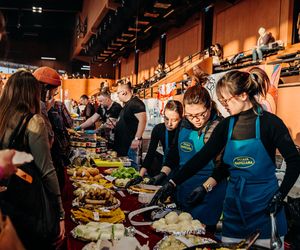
{"points": [[164, 134], [201, 117], [250, 138]]}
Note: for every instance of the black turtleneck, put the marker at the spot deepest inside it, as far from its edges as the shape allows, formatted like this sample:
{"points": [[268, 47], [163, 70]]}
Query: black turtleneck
{"points": [[274, 135], [158, 135]]}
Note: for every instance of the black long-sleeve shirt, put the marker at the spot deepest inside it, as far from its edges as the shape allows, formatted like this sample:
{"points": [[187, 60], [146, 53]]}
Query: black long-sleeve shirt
{"points": [[158, 135], [274, 135]]}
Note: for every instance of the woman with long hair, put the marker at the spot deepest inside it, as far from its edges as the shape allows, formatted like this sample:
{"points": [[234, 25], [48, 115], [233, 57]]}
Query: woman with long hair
{"points": [[164, 134], [23, 128], [249, 138], [201, 118]]}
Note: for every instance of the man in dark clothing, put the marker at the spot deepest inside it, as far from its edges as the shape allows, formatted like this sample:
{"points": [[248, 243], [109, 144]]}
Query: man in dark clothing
{"points": [[108, 112], [131, 124], [88, 111]]}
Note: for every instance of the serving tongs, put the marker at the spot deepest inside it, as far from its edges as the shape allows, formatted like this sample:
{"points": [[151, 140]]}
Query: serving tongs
{"points": [[248, 242], [275, 242]]}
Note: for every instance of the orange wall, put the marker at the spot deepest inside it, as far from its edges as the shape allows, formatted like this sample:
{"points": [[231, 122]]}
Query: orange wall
{"points": [[127, 67], [181, 42], [236, 27], [184, 41], [148, 61], [74, 88], [288, 109]]}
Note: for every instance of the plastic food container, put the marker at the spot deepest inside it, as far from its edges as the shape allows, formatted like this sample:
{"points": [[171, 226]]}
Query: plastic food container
{"points": [[145, 198]]}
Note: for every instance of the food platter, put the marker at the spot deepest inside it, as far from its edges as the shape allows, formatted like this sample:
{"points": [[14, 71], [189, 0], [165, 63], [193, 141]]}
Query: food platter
{"points": [[182, 224], [143, 188], [83, 216], [181, 242]]}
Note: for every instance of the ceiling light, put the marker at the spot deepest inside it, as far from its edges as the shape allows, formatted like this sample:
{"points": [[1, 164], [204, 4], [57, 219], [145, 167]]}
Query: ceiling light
{"points": [[121, 40], [37, 9], [169, 13], [111, 48], [162, 5], [133, 40], [107, 51], [127, 35], [85, 66], [87, 69], [134, 29], [122, 48], [153, 15], [116, 44], [48, 58], [142, 22]]}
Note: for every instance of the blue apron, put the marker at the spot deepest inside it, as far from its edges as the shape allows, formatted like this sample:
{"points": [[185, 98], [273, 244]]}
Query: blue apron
{"points": [[209, 211], [251, 186]]}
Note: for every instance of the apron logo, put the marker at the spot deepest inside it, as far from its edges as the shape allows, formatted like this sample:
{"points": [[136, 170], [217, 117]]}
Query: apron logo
{"points": [[186, 146], [243, 162]]}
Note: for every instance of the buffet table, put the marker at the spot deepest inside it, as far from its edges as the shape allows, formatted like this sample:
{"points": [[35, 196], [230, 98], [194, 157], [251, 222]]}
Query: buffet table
{"points": [[128, 203]]}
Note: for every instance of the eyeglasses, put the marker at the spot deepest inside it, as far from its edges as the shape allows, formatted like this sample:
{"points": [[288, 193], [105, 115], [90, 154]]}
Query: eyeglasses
{"points": [[224, 101], [197, 116]]}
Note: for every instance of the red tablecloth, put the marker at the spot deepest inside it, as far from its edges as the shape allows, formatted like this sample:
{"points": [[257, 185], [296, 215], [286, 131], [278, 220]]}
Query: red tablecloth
{"points": [[128, 203]]}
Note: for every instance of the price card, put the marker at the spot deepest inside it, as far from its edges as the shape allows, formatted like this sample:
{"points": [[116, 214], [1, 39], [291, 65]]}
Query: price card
{"points": [[96, 216]]}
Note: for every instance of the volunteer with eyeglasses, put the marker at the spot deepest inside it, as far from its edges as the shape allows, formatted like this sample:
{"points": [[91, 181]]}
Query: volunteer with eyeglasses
{"points": [[201, 117], [163, 133], [250, 137]]}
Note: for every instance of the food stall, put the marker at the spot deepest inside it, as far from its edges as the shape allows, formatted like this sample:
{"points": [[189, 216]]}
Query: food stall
{"points": [[100, 212]]}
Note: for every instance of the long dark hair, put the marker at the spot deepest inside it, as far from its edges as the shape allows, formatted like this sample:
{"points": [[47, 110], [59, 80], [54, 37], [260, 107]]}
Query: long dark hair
{"points": [[199, 95], [255, 82], [21, 94]]}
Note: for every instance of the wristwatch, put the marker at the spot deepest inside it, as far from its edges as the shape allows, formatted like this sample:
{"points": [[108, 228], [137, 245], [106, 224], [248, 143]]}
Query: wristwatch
{"points": [[208, 187], [137, 138]]}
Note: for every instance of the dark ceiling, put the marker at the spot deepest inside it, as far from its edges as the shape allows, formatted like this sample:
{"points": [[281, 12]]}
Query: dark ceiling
{"points": [[57, 17], [133, 24], [33, 34]]}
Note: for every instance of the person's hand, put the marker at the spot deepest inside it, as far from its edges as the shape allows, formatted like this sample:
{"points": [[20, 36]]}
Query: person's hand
{"points": [[135, 144], [60, 238], [134, 181], [276, 203], [197, 195], [158, 179], [163, 193], [6, 166], [89, 132], [77, 128]]}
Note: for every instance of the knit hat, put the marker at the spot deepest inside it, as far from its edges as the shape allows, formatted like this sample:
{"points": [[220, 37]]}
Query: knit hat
{"points": [[48, 76]]}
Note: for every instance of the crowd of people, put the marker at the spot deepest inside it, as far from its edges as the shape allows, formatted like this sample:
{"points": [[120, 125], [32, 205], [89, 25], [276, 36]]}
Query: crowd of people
{"points": [[210, 166]]}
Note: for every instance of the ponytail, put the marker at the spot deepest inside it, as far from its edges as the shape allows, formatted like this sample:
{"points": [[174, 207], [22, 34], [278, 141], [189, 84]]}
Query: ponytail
{"points": [[255, 82]]}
